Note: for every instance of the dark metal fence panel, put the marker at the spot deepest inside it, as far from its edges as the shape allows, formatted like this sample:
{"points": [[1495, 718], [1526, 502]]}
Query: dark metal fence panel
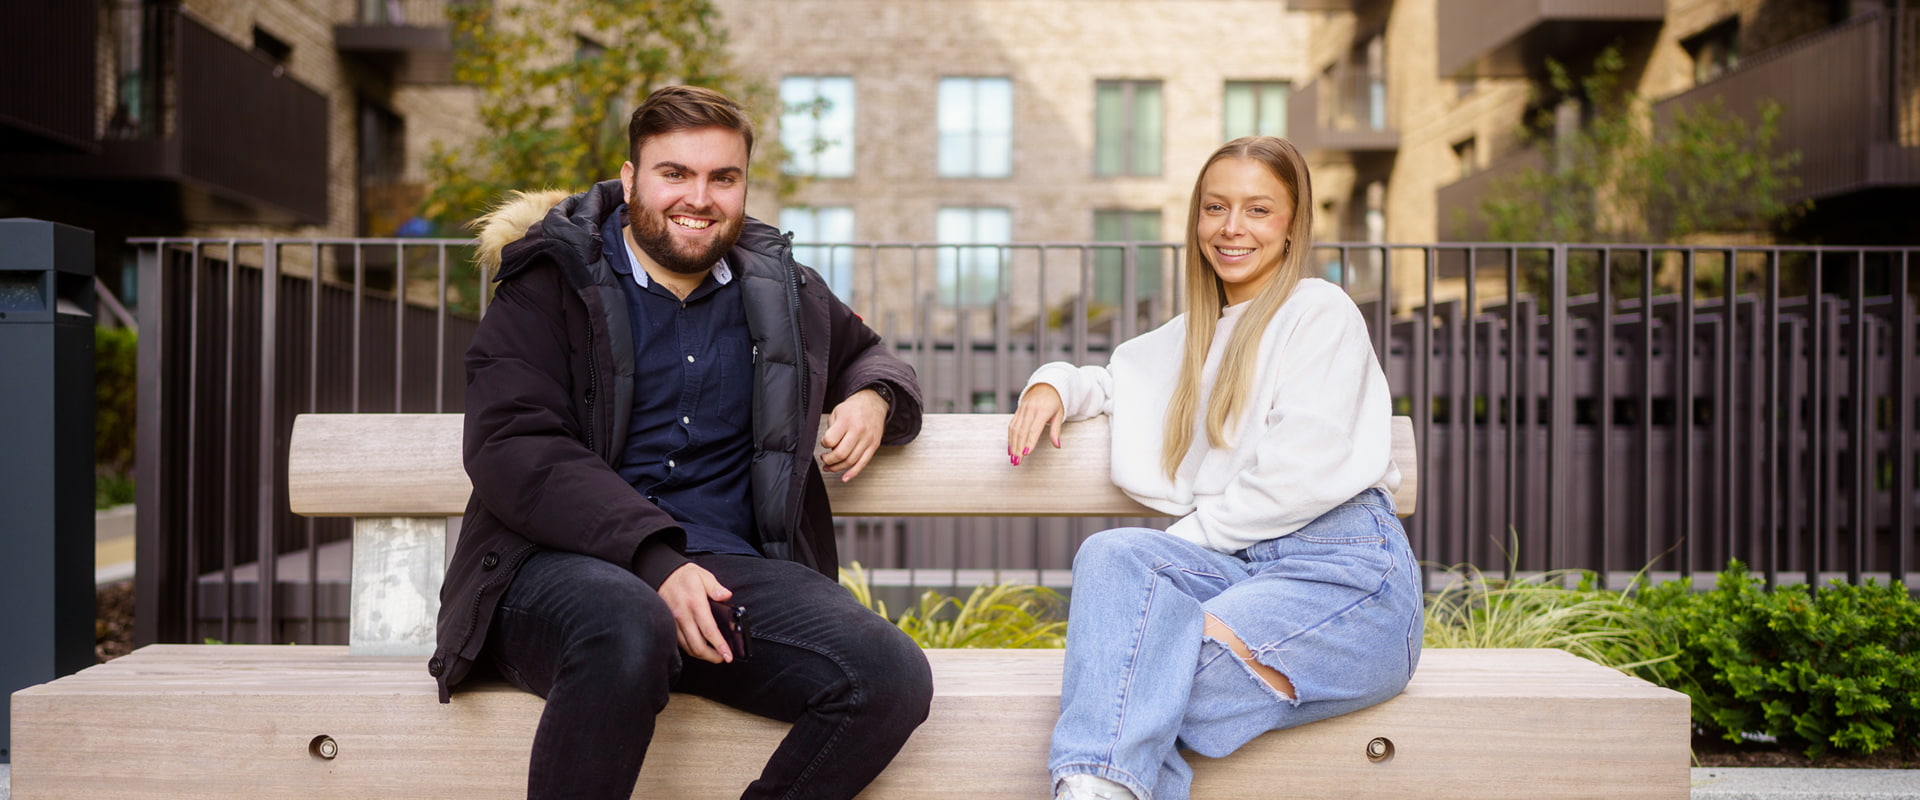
{"points": [[238, 338], [1610, 408]]}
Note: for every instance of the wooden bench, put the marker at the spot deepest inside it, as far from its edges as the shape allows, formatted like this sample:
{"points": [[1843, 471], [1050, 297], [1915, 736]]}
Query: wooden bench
{"points": [[363, 720]]}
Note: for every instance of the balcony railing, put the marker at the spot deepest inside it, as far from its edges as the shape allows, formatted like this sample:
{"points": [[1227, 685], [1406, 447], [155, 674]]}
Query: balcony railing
{"points": [[1513, 38], [242, 141], [1341, 115], [55, 44], [1851, 107], [1459, 202], [408, 39]]}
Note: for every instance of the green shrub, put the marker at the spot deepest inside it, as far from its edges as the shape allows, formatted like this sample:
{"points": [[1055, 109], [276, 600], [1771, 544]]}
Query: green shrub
{"points": [[1560, 609], [115, 378], [1838, 668], [111, 489], [1007, 615]]}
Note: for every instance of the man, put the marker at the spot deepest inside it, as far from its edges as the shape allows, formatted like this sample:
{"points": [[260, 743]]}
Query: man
{"points": [[643, 399]]}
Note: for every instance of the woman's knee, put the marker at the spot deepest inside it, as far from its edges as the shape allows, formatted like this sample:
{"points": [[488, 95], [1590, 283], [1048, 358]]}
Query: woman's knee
{"points": [[1119, 548]]}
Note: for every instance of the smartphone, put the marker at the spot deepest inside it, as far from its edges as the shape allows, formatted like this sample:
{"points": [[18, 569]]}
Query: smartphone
{"points": [[732, 621]]}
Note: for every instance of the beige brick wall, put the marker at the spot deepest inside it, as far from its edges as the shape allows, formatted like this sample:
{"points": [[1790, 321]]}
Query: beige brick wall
{"points": [[1053, 51], [432, 112]]}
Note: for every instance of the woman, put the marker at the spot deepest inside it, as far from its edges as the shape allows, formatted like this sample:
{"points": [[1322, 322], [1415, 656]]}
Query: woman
{"points": [[1285, 591]]}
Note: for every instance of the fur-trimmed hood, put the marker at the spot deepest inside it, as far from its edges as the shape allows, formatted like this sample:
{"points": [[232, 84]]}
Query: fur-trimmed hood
{"points": [[508, 221]]}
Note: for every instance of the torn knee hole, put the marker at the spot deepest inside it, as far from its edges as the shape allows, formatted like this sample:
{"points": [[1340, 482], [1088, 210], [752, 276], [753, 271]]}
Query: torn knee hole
{"points": [[1217, 630]]}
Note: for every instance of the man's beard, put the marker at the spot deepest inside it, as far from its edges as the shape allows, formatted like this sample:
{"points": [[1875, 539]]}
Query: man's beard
{"points": [[650, 232]]}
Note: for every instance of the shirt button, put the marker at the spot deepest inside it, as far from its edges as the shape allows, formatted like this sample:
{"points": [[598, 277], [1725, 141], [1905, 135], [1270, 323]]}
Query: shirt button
{"points": [[689, 359], [669, 463], [686, 420]]}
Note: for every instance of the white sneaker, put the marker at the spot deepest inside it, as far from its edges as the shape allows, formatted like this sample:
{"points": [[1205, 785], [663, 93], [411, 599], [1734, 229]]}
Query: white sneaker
{"points": [[1090, 787]]}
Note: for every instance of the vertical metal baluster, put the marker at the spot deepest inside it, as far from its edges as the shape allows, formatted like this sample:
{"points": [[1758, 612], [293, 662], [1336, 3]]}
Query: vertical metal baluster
{"points": [[268, 478]]}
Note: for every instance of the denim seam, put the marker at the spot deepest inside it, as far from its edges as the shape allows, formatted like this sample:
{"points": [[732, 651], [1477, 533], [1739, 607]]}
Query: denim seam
{"points": [[856, 691], [1133, 661]]}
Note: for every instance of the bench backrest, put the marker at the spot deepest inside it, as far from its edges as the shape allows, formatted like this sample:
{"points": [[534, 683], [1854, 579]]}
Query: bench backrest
{"points": [[401, 477], [408, 465]]}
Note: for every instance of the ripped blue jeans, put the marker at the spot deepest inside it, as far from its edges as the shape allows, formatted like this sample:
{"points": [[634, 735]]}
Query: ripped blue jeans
{"points": [[1334, 606]]}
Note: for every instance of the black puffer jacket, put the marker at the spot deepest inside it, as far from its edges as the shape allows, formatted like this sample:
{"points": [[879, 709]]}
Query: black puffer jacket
{"points": [[550, 382]]}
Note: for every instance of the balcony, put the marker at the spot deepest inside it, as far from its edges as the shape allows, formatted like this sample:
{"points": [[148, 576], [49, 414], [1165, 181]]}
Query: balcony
{"points": [[242, 142], [1835, 88], [1513, 38], [52, 111], [410, 40], [1458, 203], [1348, 116]]}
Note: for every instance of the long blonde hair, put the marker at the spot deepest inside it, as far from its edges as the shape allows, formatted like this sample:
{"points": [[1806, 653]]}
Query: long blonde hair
{"points": [[1206, 298]]}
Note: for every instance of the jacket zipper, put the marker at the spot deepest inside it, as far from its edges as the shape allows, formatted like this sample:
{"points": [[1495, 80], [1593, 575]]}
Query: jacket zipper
{"points": [[592, 422], [800, 335]]}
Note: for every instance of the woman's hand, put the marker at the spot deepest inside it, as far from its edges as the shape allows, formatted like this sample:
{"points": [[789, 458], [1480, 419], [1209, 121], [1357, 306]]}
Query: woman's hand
{"points": [[1040, 409]]}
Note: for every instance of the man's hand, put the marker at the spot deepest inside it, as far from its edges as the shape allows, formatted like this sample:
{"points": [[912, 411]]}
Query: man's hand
{"points": [[853, 433], [1040, 411], [687, 592]]}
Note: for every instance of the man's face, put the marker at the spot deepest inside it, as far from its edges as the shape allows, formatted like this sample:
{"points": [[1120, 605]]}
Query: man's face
{"points": [[687, 198]]}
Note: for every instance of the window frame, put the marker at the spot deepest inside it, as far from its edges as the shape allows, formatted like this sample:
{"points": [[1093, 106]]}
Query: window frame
{"points": [[1128, 145], [806, 157], [962, 151]]}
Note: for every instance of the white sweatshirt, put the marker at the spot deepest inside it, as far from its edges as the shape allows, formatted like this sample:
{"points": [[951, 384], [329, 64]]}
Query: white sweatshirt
{"points": [[1315, 432]]}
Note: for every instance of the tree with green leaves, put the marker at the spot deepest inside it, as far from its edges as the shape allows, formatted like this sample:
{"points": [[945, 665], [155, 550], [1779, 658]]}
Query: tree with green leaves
{"points": [[557, 80], [1623, 178]]}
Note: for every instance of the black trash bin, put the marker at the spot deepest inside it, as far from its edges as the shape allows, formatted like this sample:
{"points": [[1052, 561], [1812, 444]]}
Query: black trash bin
{"points": [[46, 456]]}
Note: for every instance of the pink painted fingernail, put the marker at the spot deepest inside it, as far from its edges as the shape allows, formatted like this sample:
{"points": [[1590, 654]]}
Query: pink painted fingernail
{"points": [[1015, 460], [1026, 451]]}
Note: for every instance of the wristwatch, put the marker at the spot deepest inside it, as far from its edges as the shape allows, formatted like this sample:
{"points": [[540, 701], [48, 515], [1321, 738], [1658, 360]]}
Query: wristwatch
{"points": [[885, 392]]}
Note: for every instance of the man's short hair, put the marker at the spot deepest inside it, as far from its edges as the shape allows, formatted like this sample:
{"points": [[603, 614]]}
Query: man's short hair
{"points": [[679, 108]]}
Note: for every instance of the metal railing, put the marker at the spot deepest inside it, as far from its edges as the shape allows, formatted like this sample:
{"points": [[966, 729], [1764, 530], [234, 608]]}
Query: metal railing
{"points": [[1610, 408], [1851, 104]]}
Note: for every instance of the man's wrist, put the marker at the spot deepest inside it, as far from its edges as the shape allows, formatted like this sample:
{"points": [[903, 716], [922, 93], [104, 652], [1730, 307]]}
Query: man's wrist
{"points": [[885, 392]]}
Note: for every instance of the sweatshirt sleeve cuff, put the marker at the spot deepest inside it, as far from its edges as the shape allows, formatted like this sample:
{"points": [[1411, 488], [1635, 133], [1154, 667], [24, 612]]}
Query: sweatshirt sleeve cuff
{"points": [[655, 560]]}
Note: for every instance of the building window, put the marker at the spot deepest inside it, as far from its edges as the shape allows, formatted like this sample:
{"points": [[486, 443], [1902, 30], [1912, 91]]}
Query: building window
{"points": [[385, 202], [1110, 264], [816, 125], [1256, 108], [814, 230], [970, 272], [1127, 128], [273, 49], [1715, 51], [976, 127]]}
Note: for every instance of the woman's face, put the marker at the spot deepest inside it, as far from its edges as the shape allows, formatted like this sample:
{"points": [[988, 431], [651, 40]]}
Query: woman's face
{"points": [[1246, 215]]}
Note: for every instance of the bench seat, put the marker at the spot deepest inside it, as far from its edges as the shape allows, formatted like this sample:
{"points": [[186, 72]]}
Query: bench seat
{"points": [[364, 721], [241, 721]]}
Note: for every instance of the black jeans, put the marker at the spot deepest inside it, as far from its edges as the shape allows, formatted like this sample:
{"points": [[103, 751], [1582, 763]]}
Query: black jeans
{"points": [[599, 645]]}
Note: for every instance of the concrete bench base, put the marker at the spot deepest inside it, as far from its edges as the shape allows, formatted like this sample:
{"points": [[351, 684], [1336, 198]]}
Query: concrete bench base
{"points": [[242, 721]]}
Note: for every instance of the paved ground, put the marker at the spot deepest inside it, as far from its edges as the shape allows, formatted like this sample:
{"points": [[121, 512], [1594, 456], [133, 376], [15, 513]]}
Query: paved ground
{"points": [[1714, 783]]}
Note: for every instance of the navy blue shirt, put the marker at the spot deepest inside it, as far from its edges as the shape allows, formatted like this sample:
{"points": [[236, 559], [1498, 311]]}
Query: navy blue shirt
{"points": [[689, 440]]}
